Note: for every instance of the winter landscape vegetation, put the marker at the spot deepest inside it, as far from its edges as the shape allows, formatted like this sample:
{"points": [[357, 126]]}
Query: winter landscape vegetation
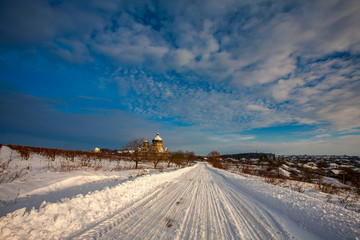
{"points": [[183, 119]]}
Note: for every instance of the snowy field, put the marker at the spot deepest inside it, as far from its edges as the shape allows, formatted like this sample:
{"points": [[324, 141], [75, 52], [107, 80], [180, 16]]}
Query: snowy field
{"points": [[197, 202]]}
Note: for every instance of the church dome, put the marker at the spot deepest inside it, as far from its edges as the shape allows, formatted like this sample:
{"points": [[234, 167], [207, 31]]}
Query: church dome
{"points": [[157, 138]]}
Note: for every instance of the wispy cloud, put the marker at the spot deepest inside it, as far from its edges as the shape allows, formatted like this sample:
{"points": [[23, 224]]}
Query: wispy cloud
{"points": [[95, 98], [323, 135], [160, 97], [257, 108], [324, 91]]}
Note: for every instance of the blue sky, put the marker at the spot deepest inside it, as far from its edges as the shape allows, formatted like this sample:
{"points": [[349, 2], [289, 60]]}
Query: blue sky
{"points": [[233, 76]]}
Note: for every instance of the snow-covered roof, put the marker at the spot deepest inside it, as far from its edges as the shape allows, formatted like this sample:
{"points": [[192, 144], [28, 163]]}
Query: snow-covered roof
{"points": [[284, 172], [337, 172]]}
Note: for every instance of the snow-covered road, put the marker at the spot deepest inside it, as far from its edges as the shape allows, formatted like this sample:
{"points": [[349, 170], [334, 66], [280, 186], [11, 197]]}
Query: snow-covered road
{"points": [[198, 202], [206, 203]]}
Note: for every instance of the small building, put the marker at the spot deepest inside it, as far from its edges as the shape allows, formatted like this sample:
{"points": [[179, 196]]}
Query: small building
{"points": [[335, 172], [311, 165], [231, 160], [334, 165], [126, 151]]}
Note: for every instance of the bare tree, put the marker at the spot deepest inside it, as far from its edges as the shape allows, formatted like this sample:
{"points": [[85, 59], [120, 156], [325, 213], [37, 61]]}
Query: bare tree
{"points": [[190, 157], [178, 158], [170, 159], [215, 159], [155, 156], [136, 146], [214, 156]]}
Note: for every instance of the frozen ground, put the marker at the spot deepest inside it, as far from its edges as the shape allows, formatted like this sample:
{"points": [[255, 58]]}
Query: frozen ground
{"points": [[197, 202]]}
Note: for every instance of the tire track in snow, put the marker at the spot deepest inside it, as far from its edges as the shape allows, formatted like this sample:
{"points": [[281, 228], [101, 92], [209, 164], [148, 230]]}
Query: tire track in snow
{"points": [[156, 211], [198, 205], [218, 214], [254, 221]]}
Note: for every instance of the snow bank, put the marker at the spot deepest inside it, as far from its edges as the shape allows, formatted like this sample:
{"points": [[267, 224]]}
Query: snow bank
{"points": [[45, 182], [21, 178], [59, 220]]}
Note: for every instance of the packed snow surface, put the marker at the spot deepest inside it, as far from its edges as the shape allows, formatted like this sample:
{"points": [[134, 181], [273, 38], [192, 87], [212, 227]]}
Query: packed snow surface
{"points": [[197, 202]]}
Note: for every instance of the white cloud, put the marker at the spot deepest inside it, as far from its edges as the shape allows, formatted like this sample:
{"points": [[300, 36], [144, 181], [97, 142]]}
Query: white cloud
{"points": [[324, 91], [305, 121], [253, 46], [322, 135], [341, 116], [182, 57], [284, 88], [73, 52], [257, 108]]}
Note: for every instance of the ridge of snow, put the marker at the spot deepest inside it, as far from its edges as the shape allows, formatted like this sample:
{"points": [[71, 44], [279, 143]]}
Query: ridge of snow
{"points": [[56, 220]]}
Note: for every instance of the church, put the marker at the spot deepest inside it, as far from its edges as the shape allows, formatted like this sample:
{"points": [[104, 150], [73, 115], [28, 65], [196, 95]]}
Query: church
{"points": [[157, 145]]}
